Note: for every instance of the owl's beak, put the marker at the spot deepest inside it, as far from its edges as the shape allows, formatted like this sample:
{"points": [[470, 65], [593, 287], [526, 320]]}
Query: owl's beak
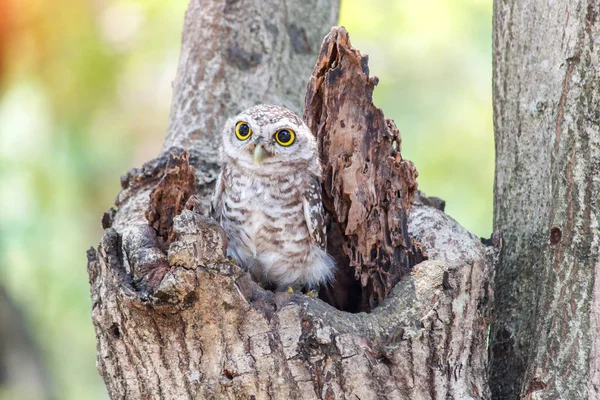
{"points": [[259, 154]]}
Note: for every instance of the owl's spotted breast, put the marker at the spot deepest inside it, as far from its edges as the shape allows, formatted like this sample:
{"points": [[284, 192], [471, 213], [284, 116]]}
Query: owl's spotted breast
{"points": [[266, 224]]}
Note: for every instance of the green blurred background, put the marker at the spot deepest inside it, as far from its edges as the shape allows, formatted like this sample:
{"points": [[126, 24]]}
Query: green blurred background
{"points": [[84, 96]]}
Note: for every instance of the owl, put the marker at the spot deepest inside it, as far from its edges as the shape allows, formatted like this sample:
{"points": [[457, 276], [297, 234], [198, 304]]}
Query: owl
{"points": [[268, 199]]}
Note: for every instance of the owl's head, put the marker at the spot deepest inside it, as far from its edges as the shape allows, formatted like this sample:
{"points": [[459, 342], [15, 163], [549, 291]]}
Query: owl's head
{"points": [[266, 135]]}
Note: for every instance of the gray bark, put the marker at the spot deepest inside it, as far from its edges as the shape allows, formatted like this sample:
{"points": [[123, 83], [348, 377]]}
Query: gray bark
{"points": [[545, 335], [203, 329]]}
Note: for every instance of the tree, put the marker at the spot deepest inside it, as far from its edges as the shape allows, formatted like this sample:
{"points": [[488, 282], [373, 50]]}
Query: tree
{"points": [[175, 319], [546, 313]]}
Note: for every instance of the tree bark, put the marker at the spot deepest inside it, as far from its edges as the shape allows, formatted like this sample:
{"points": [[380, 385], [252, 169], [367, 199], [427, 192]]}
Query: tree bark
{"points": [[175, 319], [545, 336], [208, 331]]}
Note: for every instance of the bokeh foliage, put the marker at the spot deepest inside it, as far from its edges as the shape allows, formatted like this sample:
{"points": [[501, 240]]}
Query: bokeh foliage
{"points": [[84, 95]]}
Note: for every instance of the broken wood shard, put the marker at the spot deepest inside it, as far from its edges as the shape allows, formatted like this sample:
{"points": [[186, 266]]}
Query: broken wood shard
{"points": [[169, 197], [368, 186]]}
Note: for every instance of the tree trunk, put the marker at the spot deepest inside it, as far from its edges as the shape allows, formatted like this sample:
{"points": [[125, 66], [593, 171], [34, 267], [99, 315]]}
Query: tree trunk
{"points": [[175, 319], [545, 336], [208, 331]]}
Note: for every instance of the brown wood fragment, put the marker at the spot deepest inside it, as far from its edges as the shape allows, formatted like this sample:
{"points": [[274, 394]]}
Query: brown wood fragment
{"points": [[169, 197], [368, 187]]}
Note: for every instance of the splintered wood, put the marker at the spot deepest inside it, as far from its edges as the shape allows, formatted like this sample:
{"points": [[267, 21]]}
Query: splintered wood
{"points": [[368, 187], [169, 197]]}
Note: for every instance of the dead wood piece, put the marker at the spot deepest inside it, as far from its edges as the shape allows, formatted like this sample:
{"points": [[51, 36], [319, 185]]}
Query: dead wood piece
{"points": [[170, 195], [152, 195], [368, 187]]}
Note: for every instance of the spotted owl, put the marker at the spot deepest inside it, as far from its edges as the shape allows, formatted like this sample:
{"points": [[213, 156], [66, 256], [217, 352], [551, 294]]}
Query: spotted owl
{"points": [[268, 199]]}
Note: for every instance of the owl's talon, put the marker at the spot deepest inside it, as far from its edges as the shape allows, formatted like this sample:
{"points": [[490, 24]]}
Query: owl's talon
{"points": [[313, 293], [290, 290]]}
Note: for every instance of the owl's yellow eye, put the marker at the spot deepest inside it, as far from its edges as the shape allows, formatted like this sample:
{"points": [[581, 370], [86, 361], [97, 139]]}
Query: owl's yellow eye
{"points": [[285, 137], [242, 130]]}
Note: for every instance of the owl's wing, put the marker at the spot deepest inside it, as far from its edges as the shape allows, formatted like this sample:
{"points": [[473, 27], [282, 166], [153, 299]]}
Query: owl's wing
{"points": [[314, 213], [215, 203]]}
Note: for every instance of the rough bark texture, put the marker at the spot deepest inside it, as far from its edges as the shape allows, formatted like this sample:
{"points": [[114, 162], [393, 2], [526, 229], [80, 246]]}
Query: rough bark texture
{"points": [[170, 195], [208, 331], [201, 328], [368, 187], [546, 332]]}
